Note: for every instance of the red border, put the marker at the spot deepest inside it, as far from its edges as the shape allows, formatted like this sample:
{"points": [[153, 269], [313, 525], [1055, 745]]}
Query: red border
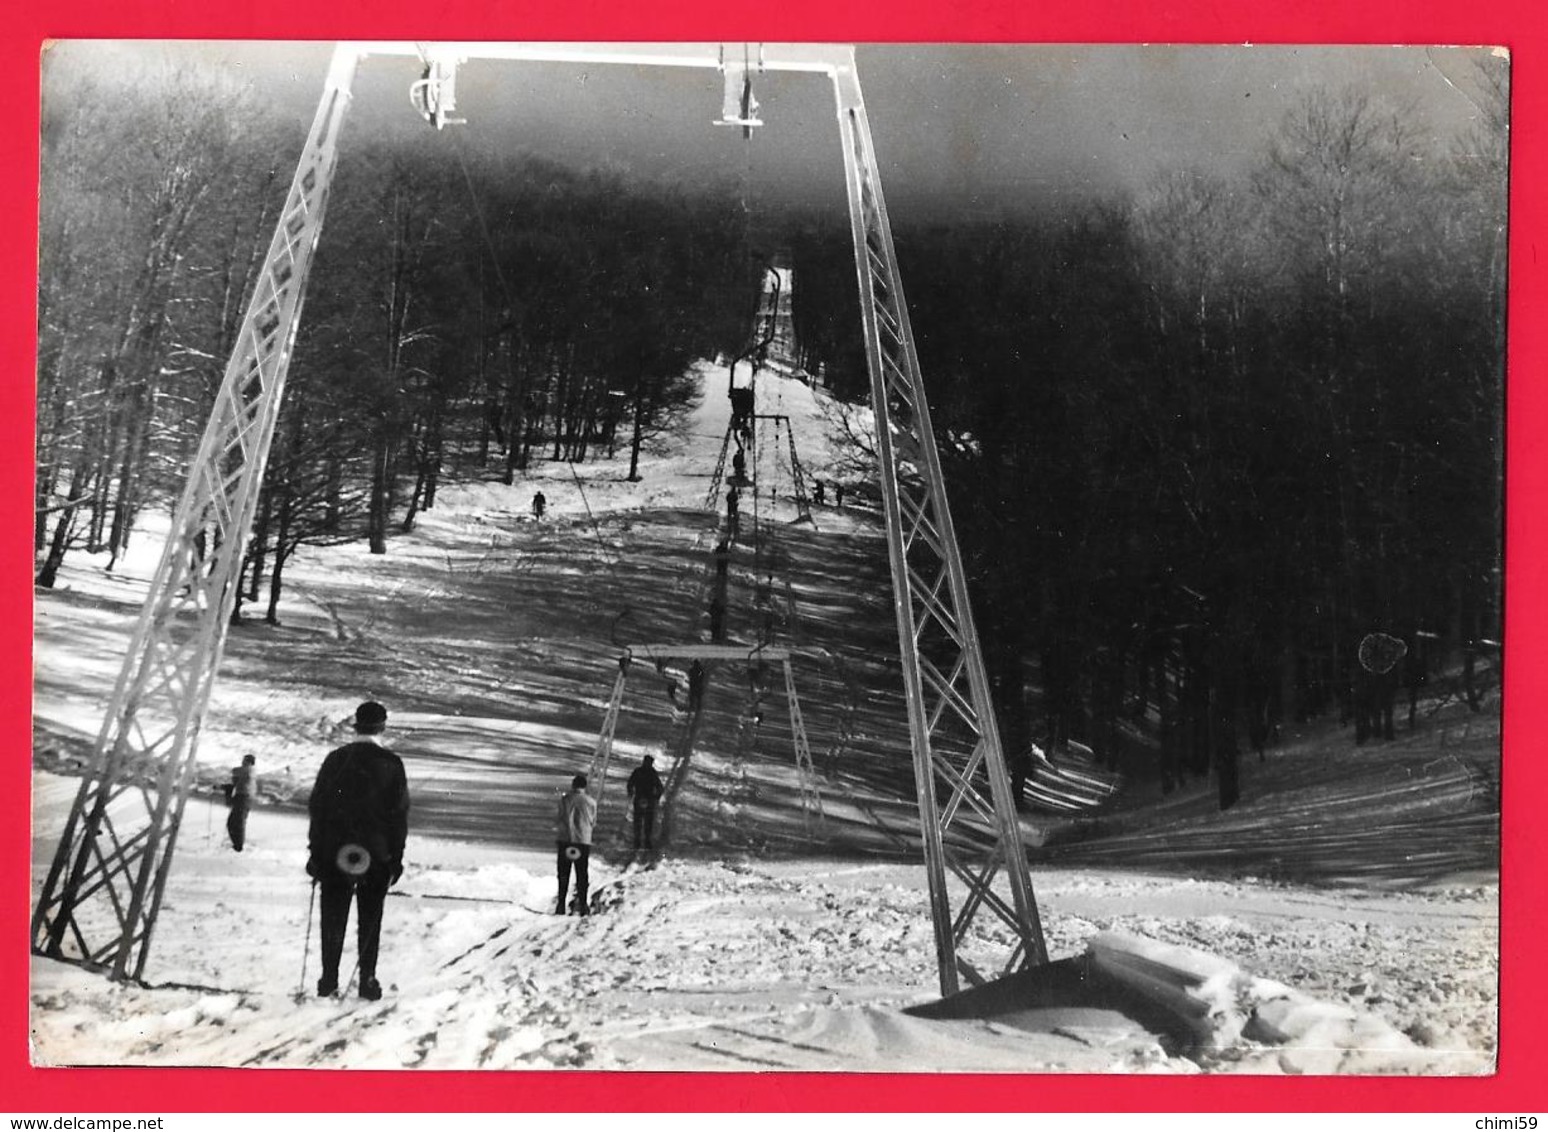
{"points": [[1517, 24]]}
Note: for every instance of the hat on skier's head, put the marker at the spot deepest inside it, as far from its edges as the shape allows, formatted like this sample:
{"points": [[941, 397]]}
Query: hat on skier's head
{"points": [[370, 718], [578, 782], [650, 760]]}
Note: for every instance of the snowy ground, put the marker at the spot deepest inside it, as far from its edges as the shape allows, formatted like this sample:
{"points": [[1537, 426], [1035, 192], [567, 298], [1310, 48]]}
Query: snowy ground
{"points": [[714, 964], [758, 943]]}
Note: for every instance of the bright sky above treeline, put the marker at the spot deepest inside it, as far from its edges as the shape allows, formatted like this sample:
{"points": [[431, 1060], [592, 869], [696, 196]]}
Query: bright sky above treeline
{"points": [[981, 130]]}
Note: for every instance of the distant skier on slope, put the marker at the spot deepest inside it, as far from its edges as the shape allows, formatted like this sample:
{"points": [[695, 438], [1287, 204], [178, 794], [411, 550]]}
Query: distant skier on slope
{"points": [[645, 790], [239, 794], [696, 679], [733, 510], [359, 824], [539, 505], [577, 816]]}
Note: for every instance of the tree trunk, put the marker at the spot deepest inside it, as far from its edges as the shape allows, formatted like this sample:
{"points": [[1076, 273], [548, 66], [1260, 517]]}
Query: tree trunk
{"points": [[561, 394], [101, 481], [1167, 726], [333, 508], [1225, 698], [639, 430], [132, 469], [283, 547], [517, 383], [437, 450], [412, 511], [48, 573], [257, 547], [376, 523]]}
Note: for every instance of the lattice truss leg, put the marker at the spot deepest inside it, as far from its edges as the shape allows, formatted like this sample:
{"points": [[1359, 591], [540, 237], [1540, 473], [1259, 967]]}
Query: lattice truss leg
{"points": [[713, 498], [798, 477], [602, 755], [965, 805], [102, 892], [806, 773]]}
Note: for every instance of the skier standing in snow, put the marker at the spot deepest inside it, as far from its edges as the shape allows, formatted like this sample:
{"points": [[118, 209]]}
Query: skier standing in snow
{"points": [[539, 505], [577, 815], [240, 796], [645, 790], [359, 823]]}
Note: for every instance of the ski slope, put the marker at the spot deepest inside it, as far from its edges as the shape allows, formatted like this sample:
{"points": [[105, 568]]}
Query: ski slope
{"points": [[760, 942]]}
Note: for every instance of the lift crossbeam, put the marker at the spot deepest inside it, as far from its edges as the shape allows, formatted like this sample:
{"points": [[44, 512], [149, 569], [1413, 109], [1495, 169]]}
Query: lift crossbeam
{"points": [[812, 58], [692, 650]]}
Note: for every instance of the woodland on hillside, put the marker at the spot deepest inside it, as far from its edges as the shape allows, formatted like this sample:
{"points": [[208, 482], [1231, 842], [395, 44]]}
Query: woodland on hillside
{"points": [[1204, 443], [468, 313], [1201, 443]]}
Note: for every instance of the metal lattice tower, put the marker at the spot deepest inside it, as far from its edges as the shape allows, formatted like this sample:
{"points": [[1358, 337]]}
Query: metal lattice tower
{"points": [[102, 892], [956, 743], [99, 902]]}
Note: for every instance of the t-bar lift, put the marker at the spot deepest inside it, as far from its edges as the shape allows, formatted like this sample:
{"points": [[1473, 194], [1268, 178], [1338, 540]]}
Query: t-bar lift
{"points": [[100, 899]]}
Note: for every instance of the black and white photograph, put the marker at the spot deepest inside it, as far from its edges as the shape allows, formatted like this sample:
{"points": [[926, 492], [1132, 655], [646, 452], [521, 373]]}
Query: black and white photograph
{"points": [[927, 558]]}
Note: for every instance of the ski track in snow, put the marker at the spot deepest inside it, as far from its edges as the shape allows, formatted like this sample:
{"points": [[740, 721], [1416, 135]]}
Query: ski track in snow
{"points": [[713, 965], [721, 956]]}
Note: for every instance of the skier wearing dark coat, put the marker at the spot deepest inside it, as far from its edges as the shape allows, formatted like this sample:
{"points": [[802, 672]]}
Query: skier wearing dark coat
{"points": [[645, 790], [359, 824], [240, 795]]}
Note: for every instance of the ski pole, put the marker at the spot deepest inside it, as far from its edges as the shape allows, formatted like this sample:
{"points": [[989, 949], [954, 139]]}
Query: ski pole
{"points": [[307, 946]]}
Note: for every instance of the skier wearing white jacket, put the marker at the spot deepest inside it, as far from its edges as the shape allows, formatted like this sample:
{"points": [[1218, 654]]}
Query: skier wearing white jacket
{"points": [[577, 815]]}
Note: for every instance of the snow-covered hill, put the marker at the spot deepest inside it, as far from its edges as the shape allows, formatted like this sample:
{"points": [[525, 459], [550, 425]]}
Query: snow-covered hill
{"points": [[763, 939]]}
